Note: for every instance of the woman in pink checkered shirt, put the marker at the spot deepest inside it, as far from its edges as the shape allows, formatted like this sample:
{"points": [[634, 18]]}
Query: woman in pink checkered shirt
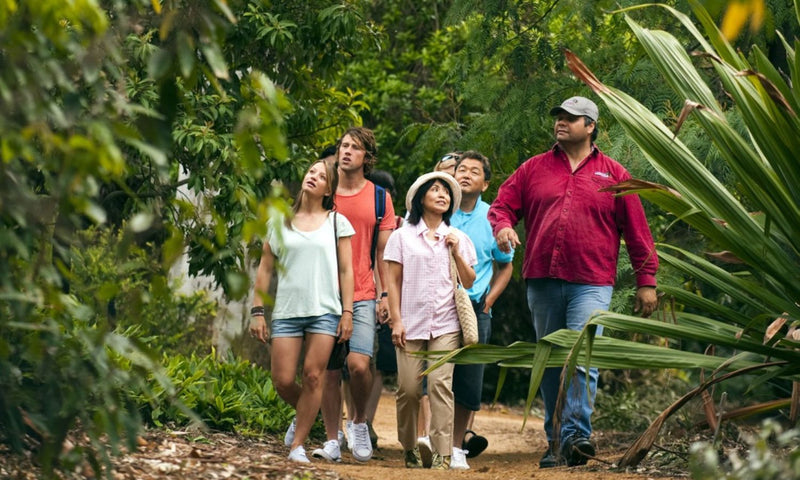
{"points": [[422, 309]]}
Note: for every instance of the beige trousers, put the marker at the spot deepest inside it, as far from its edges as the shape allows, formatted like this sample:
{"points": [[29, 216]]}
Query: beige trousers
{"points": [[440, 393]]}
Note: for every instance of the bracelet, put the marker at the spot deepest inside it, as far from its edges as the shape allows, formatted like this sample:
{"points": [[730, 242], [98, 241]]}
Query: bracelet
{"points": [[384, 294], [257, 311], [347, 311]]}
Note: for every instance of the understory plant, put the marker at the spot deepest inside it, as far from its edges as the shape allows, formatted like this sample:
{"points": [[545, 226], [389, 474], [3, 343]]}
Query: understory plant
{"points": [[773, 453], [230, 394]]}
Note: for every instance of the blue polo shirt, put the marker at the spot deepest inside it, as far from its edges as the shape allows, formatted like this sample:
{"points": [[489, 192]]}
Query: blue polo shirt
{"points": [[477, 227]]}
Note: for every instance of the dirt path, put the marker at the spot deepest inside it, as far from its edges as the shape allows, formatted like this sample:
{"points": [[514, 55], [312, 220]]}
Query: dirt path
{"points": [[193, 455], [512, 454]]}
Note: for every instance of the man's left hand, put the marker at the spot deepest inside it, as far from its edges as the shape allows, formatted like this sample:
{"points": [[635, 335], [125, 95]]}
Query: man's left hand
{"points": [[646, 301]]}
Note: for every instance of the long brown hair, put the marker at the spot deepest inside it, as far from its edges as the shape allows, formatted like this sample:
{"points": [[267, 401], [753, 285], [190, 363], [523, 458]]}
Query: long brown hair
{"points": [[328, 201]]}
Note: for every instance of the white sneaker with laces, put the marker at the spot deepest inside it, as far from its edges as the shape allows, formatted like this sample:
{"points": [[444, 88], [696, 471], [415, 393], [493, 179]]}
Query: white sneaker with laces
{"points": [[342, 440], [348, 428], [329, 451], [288, 439], [459, 459], [425, 451], [299, 455], [360, 443]]}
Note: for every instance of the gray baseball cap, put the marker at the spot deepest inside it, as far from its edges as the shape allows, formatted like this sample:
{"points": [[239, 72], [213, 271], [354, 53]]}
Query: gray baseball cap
{"points": [[580, 106]]}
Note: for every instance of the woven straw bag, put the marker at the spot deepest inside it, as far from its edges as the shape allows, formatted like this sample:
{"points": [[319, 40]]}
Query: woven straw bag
{"points": [[466, 314]]}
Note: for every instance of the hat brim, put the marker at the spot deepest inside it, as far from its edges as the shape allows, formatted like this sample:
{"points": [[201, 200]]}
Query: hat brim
{"points": [[445, 177], [556, 110]]}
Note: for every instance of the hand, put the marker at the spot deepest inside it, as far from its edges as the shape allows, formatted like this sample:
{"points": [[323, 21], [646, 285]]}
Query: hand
{"points": [[383, 310], [451, 240], [507, 239], [258, 329], [345, 328], [487, 306], [646, 301], [399, 335]]}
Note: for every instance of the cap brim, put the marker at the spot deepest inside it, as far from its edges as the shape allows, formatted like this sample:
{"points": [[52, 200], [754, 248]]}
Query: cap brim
{"points": [[445, 177]]}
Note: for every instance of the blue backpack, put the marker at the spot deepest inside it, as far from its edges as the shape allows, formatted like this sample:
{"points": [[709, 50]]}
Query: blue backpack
{"points": [[380, 211]]}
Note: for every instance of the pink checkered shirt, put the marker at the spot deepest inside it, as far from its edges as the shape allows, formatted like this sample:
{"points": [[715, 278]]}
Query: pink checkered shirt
{"points": [[427, 307]]}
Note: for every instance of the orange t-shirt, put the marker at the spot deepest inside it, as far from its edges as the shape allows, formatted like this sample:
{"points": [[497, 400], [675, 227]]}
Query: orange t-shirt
{"points": [[360, 211]]}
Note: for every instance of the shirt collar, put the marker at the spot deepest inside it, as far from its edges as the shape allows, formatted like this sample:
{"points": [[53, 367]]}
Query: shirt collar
{"points": [[466, 214], [557, 148], [441, 231]]}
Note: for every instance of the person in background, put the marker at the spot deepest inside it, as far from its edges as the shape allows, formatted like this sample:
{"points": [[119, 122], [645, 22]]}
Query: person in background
{"points": [[570, 265], [447, 163], [423, 311], [493, 272], [314, 297], [385, 359], [355, 198], [328, 155]]}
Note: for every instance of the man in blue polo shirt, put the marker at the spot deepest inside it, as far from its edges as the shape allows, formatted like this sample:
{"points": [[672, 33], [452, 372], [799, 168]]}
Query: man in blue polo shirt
{"points": [[473, 173]]}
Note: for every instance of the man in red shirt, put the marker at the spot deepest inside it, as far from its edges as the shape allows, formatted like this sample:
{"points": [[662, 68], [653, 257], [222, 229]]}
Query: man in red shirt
{"points": [[573, 235]]}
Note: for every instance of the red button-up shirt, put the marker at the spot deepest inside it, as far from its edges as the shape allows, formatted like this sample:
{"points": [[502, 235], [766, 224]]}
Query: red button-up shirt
{"points": [[573, 230]]}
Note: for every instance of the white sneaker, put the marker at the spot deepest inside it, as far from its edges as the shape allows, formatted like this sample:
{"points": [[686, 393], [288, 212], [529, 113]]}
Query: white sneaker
{"points": [[459, 459], [360, 443], [288, 439], [329, 451], [299, 455], [425, 451], [342, 440], [348, 428]]}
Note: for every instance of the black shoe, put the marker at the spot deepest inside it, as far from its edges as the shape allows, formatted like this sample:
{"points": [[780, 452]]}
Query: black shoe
{"points": [[577, 451], [373, 437], [475, 445], [550, 459]]}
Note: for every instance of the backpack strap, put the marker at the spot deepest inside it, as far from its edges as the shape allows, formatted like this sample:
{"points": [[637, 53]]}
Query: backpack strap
{"points": [[380, 211]]}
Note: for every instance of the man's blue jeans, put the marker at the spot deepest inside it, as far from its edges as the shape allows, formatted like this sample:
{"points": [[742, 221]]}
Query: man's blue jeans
{"points": [[557, 304]]}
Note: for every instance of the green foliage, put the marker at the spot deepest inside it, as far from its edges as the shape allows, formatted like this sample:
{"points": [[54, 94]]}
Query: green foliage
{"points": [[87, 114], [232, 395], [773, 454], [129, 291], [57, 373], [628, 401]]}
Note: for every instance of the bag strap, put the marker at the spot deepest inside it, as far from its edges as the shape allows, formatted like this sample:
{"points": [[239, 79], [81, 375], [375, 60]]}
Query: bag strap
{"points": [[336, 248], [380, 211], [454, 270]]}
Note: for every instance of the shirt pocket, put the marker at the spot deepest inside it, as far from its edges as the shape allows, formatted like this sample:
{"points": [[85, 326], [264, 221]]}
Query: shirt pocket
{"points": [[604, 200]]}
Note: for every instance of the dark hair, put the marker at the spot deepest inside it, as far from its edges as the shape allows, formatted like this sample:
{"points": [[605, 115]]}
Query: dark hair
{"points": [[328, 203], [474, 155], [383, 179], [330, 151], [366, 138], [415, 214], [586, 122]]}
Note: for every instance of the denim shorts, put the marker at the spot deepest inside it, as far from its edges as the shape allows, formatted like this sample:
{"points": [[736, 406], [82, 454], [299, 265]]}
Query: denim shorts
{"points": [[363, 338], [298, 326]]}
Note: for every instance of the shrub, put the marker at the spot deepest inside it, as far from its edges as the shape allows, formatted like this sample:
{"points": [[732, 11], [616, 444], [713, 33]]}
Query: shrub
{"points": [[126, 286], [772, 454], [230, 395]]}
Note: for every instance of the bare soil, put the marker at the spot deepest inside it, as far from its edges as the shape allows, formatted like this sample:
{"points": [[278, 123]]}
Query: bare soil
{"points": [[513, 453]]}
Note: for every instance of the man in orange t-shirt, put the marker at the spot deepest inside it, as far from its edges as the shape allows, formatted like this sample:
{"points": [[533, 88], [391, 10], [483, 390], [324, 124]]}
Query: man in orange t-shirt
{"points": [[355, 199]]}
